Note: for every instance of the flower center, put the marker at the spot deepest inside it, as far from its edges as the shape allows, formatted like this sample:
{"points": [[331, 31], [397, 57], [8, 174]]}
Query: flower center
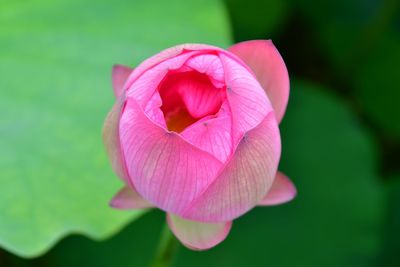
{"points": [[188, 97]]}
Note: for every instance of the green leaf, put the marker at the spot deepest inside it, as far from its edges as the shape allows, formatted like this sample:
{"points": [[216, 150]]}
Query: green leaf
{"points": [[361, 41], [336, 218], [55, 63], [377, 85], [253, 19], [391, 245], [135, 245]]}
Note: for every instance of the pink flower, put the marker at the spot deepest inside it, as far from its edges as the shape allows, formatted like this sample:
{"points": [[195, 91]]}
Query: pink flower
{"points": [[194, 132]]}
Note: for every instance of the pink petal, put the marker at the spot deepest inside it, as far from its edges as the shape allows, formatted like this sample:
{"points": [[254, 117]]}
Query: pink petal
{"points": [[164, 168], [112, 142], [128, 198], [248, 101], [246, 178], [281, 191], [268, 66], [120, 74], [146, 84], [196, 91], [211, 135], [167, 54], [211, 65], [198, 235]]}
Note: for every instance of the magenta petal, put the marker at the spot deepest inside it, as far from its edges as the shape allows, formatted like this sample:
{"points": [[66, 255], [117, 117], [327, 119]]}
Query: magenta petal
{"points": [[128, 198], [268, 66], [120, 74], [282, 190], [198, 235], [164, 168], [246, 178], [112, 142]]}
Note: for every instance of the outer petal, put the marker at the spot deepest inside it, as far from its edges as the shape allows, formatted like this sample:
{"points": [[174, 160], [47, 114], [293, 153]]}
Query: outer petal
{"points": [[246, 178], [198, 235], [164, 168], [282, 190], [120, 74], [247, 99], [128, 198], [268, 66], [112, 142]]}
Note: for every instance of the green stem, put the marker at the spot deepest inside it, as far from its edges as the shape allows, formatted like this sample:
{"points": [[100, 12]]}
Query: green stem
{"points": [[166, 250]]}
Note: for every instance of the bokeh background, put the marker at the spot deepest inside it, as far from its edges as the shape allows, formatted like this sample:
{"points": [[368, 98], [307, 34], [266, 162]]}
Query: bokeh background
{"points": [[341, 134]]}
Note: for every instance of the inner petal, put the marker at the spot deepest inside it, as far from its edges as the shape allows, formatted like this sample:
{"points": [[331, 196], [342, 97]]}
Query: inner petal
{"points": [[188, 97]]}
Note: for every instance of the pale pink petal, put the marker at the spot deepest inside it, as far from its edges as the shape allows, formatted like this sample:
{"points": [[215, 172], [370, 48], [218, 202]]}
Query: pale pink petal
{"points": [[246, 178], [211, 135], [128, 198], [248, 101], [198, 235], [270, 69], [164, 168], [281, 191], [112, 142], [120, 74]]}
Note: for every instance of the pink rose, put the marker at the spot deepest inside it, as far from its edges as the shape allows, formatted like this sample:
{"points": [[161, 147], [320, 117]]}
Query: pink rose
{"points": [[194, 132]]}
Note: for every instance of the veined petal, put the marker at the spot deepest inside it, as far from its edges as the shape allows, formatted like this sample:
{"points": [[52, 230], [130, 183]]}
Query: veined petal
{"points": [[270, 69], [164, 168], [248, 101], [167, 54], [211, 65], [145, 86], [282, 190], [120, 74], [112, 142], [212, 135], [246, 178], [128, 198], [198, 235]]}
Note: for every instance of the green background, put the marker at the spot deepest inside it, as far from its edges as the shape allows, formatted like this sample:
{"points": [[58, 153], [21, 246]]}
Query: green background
{"points": [[340, 136]]}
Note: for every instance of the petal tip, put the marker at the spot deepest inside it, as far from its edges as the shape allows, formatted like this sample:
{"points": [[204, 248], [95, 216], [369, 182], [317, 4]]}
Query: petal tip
{"points": [[282, 191], [264, 59], [120, 74], [127, 198]]}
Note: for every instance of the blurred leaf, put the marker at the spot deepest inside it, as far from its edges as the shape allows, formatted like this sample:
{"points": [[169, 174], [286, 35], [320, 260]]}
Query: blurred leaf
{"points": [[390, 250], [360, 40], [135, 245], [377, 84], [55, 62], [253, 19], [341, 26], [335, 219]]}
